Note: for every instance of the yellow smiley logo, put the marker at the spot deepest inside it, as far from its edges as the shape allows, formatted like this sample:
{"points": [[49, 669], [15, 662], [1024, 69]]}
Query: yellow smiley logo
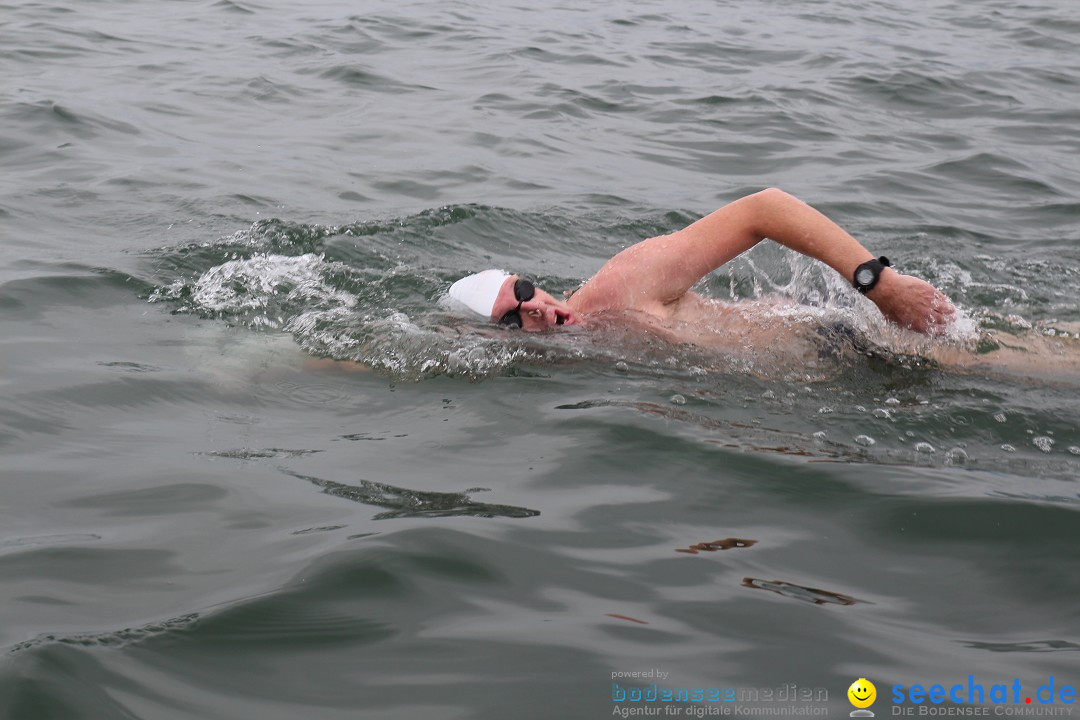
{"points": [[862, 693]]}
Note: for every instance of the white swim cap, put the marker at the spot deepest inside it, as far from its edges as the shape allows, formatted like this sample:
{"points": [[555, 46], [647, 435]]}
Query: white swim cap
{"points": [[478, 291]]}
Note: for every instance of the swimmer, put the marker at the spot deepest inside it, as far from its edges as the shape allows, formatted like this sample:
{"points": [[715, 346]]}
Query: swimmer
{"points": [[647, 287], [652, 279]]}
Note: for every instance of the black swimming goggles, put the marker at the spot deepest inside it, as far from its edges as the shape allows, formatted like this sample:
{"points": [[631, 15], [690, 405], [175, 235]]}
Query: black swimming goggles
{"points": [[523, 293]]}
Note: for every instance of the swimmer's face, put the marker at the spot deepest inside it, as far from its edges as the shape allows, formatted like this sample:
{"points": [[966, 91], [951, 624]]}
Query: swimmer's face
{"points": [[538, 313], [862, 693]]}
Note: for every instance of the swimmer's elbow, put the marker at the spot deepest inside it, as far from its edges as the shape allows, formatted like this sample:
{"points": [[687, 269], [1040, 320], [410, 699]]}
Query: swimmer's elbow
{"points": [[768, 210], [775, 195]]}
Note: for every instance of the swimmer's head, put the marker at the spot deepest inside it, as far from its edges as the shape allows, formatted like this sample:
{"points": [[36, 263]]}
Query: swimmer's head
{"points": [[479, 291], [511, 301]]}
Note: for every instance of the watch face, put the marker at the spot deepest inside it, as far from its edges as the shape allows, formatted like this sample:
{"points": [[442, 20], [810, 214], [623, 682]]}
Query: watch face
{"points": [[864, 276]]}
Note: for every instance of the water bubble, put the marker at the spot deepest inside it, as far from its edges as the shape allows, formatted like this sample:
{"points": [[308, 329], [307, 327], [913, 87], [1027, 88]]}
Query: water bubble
{"points": [[882, 414], [922, 400], [1000, 417], [892, 401], [769, 395], [825, 410], [819, 435], [677, 399], [860, 408], [956, 456], [1044, 443], [910, 433], [865, 440], [621, 366], [925, 447], [1008, 448], [455, 363], [1017, 321], [1074, 450]]}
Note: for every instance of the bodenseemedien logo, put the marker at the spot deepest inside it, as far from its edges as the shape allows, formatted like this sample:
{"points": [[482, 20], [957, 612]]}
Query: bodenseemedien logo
{"points": [[862, 695]]}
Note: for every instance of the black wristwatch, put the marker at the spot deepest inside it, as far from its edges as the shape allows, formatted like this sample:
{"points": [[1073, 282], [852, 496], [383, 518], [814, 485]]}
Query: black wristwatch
{"points": [[867, 274]]}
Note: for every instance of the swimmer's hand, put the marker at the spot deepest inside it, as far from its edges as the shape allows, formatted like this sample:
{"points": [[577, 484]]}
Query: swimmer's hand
{"points": [[912, 303]]}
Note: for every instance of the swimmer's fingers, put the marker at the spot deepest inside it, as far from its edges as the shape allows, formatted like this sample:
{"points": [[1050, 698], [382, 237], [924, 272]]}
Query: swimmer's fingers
{"points": [[940, 316], [943, 304]]}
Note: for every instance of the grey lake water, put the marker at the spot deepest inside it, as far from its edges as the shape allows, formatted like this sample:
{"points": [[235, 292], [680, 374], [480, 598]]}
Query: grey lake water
{"points": [[199, 198]]}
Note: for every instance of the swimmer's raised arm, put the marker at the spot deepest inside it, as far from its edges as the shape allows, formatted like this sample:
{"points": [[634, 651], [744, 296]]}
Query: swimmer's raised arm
{"points": [[657, 272]]}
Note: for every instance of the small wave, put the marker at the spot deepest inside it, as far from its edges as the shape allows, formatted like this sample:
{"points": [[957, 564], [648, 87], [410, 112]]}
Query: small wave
{"points": [[1029, 646], [358, 78], [814, 596], [250, 288], [233, 7], [58, 539], [406, 503], [110, 639], [259, 453], [54, 120], [913, 90]]}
